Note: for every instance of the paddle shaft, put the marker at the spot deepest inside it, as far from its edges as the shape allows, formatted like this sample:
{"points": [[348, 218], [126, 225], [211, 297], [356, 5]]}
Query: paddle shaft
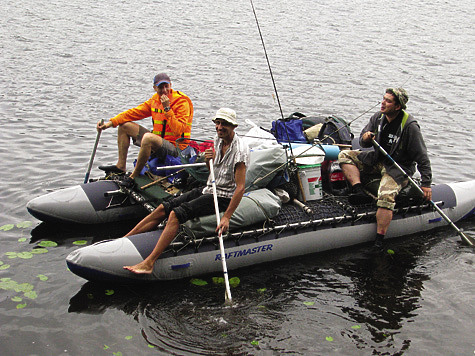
{"points": [[86, 178], [464, 237], [161, 179], [187, 165], [227, 295]]}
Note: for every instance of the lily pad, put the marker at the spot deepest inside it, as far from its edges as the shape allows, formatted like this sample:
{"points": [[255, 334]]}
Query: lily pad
{"points": [[150, 346], [24, 287], [234, 282], [329, 338], [17, 299], [7, 227], [3, 267], [254, 342], [21, 306], [356, 327], [80, 242], [47, 244], [22, 239], [7, 284], [309, 303], [198, 282], [218, 280], [128, 337], [109, 291], [24, 224], [42, 277], [262, 290], [25, 255], [390, 252], [11, 254], [31, 294], [118, 353], [106, 347], [37, 251]]}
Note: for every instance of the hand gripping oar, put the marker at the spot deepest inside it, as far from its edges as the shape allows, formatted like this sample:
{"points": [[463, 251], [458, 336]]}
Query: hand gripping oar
{"points": [[464, 237], [227, 294], [86, 178]]}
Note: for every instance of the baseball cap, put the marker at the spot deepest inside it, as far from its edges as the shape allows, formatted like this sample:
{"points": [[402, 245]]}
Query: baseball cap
{"points": [[161, 78]]}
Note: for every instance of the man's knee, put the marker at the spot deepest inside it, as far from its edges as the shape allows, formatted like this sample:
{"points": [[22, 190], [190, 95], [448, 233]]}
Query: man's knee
{"points": [[173, 218], [131, 129], [150, 139], [386, 203], [159, 211], [347, 157], [387, 197]]}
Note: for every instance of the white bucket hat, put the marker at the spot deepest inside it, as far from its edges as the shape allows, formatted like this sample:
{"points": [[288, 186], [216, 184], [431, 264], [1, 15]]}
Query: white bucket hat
{"points": [[228, 115]]}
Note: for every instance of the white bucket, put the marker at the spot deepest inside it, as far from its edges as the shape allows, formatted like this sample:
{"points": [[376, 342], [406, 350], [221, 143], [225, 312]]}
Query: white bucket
{"points": [[311, 178]]}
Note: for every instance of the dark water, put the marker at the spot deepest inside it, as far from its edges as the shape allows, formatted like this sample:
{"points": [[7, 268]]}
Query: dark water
{"points": [[66, 65]]}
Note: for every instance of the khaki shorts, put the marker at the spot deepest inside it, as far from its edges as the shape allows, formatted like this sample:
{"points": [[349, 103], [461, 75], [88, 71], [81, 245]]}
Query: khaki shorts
{"points": [[388, 187], [167, 147]]}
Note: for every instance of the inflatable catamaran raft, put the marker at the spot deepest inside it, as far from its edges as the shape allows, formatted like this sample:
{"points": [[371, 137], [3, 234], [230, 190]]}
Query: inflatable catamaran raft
{"points": [[333, 223], [277, 217]]}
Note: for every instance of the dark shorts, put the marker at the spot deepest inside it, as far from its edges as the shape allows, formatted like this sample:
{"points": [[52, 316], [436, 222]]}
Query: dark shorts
{"points": [[167, 147], [194, 204]]}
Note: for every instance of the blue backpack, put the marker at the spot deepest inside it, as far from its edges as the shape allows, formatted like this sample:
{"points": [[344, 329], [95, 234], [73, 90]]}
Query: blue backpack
{"points": [[288, 130]]}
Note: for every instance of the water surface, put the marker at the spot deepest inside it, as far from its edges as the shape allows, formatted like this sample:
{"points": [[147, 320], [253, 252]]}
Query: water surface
{"points": [[66, 65]]}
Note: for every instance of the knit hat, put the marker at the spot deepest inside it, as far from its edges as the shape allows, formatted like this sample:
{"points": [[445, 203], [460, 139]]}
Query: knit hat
{"points": [[400, 94]]}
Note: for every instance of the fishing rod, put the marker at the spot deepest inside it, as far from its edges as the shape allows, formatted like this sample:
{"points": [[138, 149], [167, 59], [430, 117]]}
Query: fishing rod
{"points": [[277, 94], [290, 141], [270, 71], [267, 58]]}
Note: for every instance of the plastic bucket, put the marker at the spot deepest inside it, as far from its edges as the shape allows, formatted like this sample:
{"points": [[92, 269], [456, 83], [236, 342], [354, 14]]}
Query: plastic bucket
{"points": [[311, 179]]}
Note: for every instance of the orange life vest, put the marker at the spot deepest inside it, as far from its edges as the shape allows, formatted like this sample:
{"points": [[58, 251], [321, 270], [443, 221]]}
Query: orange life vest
{"points": [[175, 123]]}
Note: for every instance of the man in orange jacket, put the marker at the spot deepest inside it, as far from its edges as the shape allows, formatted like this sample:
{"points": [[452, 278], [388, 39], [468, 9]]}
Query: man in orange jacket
{"points": [[172, 115]]}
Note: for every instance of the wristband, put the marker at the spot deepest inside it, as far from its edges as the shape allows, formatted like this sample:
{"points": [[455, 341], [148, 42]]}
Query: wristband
{"points": [[167, 109]]}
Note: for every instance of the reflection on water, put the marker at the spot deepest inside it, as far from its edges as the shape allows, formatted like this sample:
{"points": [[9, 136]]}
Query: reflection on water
{"points": [[375, 295]]}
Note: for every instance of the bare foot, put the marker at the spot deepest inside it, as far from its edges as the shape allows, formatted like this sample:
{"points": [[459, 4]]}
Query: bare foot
{"points": [[140, 268]]}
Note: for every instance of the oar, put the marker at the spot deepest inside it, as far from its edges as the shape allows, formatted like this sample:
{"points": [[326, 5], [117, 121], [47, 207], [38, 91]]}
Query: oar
{"points": [[161, 179], [86, 178], [227, 294], [464, 237], [186, 165]]}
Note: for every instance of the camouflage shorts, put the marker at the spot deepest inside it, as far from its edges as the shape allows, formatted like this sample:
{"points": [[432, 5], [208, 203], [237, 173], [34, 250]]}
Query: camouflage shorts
{"points": [[388, 187]]}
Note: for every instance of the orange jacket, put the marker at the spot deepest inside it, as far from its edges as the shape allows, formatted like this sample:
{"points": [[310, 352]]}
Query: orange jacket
{"points": [[177, 120]]}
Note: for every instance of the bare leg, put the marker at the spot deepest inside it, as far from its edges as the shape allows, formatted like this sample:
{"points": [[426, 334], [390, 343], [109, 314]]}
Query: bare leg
{"points": [[149, 222], [167, 236], [150, 142], [351, 172], [124, 133], [383, 219]]}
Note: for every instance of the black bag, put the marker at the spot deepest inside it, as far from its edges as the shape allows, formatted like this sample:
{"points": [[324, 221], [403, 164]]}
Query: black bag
{"points": [[335, 130]]}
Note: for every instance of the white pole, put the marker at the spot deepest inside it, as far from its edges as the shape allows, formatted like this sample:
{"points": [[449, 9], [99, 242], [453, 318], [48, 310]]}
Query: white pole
{"points": [[227, 294]]}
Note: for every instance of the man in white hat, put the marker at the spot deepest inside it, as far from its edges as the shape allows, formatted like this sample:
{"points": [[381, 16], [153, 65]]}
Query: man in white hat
{"points": [[230, 156]]}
